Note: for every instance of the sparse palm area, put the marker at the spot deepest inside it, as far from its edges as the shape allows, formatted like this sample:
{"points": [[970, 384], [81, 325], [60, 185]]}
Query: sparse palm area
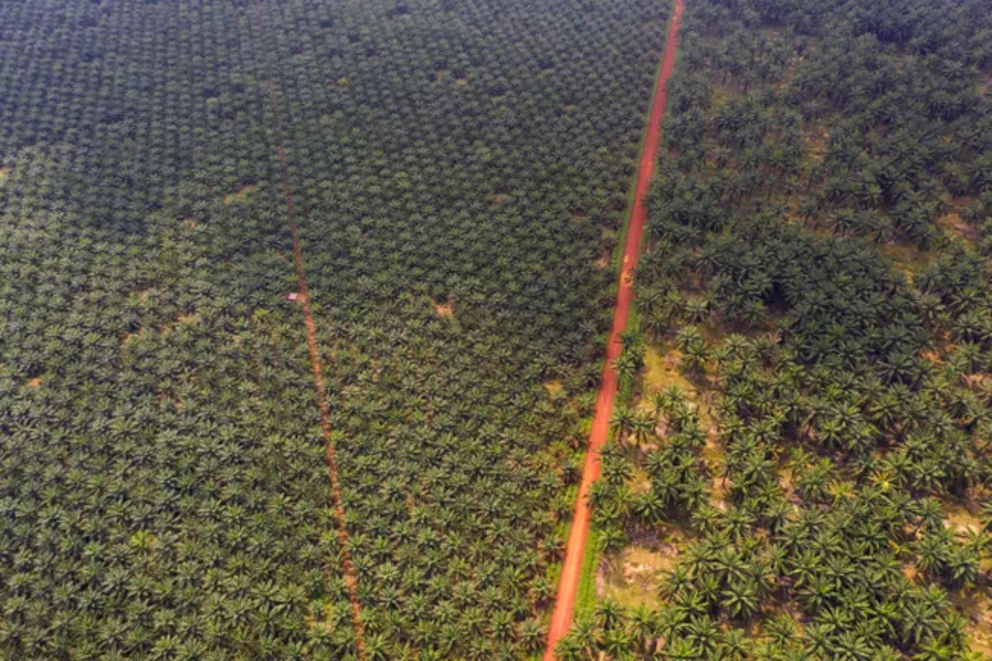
{"points": [[804, 465]]}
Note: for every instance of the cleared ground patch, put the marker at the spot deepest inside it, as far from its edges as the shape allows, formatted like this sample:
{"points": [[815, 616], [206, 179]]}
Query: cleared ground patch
{"points": [[444, 309], [906, 257], [632, 576], [241, 194]]}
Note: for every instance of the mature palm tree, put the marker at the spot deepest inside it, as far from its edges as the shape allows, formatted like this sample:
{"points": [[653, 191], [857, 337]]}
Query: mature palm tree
{"points": [[643, 427], [622, 421]]}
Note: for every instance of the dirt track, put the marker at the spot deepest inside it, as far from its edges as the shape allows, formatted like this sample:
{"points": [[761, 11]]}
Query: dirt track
{"points": [[318, 378], [561, 617]]}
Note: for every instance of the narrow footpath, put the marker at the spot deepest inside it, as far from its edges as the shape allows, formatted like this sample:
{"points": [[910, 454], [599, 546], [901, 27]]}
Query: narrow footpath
{"points": [[561, 617], [320, 391]]}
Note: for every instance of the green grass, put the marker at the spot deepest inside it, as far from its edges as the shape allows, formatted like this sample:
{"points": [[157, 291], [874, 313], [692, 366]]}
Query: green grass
{"points": [[643, 588], [627, 388], [585, 600], [586, 597]]}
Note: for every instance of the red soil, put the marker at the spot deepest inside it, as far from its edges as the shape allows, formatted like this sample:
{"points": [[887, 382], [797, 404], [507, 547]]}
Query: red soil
{"points": [[315, 362], [561, 617]]}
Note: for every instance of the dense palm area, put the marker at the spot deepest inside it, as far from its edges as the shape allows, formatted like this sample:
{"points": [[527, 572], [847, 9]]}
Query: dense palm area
{"points": [[819, 272], [458, 169]]}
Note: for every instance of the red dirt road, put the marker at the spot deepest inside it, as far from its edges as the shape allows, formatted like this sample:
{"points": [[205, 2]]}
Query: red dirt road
{"points": [[561, 617], [320, 390]]}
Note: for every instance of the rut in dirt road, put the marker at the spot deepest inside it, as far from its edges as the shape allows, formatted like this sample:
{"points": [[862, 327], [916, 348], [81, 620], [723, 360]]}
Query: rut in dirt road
{"points": [[561, 617], [318, 378]]}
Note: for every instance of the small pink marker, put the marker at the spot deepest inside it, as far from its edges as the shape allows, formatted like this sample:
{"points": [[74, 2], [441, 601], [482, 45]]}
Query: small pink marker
{"points": [[292, 296]]}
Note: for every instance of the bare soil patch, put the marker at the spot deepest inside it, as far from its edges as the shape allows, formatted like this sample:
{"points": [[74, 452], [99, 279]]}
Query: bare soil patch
{"points": [[445, 309], [977, 610], [907, 258], [959, 519], [128, 337], [953, 223]]}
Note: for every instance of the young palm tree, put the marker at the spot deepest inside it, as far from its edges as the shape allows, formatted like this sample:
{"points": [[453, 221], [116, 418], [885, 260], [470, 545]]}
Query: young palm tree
{"points": [[643, 626], [741, 599]]}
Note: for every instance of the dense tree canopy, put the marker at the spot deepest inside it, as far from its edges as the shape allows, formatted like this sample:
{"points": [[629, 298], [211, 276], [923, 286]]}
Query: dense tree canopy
{"points": [[458, 171]]}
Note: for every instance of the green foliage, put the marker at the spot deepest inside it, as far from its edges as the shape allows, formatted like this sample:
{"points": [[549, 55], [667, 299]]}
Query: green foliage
{"points": [[629, 362]]}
